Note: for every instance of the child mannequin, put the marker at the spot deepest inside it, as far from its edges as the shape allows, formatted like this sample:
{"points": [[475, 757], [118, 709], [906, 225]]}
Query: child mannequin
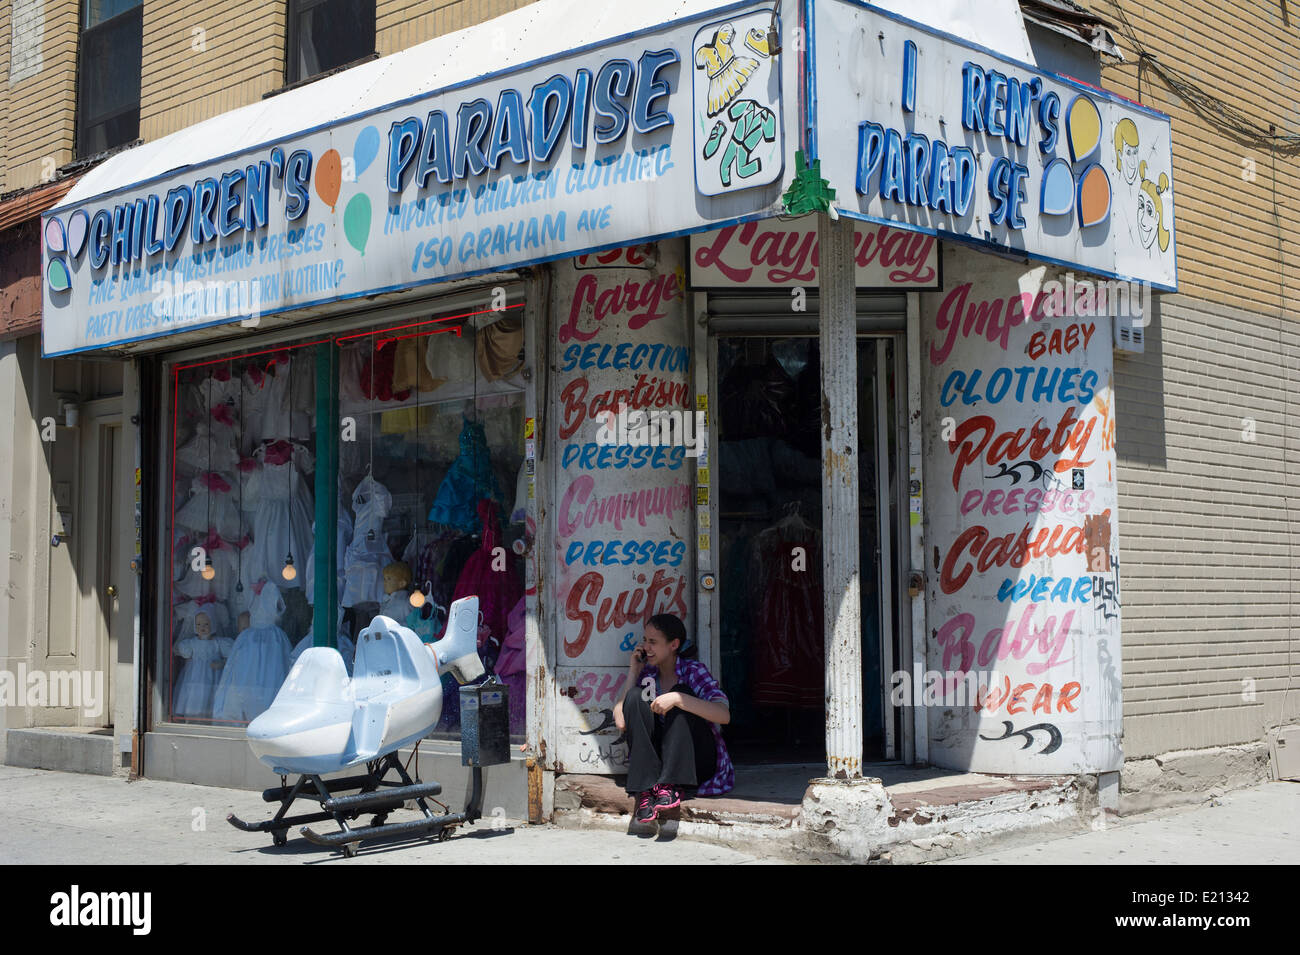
{"points": [[204, 654], [397, 585]]}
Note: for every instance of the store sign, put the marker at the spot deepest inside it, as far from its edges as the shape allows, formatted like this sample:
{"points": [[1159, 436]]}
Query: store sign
{"points": [[656, 134], [773, 253], [918, 129]]}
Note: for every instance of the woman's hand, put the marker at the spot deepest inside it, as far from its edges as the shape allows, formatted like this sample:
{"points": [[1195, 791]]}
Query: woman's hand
{"points": [[637, 660], [618, 717], [665, 702]]}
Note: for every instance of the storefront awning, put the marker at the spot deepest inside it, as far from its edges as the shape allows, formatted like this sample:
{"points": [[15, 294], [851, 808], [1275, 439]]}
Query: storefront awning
{"points": [[558, 129]]}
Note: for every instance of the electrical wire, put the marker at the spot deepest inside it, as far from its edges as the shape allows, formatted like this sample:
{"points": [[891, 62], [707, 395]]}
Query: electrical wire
{"points": [[1217, 112]]}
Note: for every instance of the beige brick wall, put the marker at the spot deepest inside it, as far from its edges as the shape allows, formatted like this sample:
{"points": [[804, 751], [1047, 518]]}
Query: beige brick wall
{"points": [[40, 111], [1209, 526], [1246, 54], [4, 96], [403, 23], [201, 60], [1208, 532]]}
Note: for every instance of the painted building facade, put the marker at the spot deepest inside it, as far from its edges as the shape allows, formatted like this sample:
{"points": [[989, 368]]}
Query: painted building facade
{"points": [[942, 385]]}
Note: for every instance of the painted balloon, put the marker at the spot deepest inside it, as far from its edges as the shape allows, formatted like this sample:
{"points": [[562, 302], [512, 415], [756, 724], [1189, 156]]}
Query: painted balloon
{"points": [[1083, 126], [1058, 189], [329, 177], [58, 276], [356, 221], [1094, 196], [55, 238], [78, 229], [366, 149]]}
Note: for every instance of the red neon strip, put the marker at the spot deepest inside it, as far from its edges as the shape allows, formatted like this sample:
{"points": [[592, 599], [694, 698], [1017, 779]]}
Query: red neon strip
{"points": [[401, 338], [217, 361], [432, 321]]}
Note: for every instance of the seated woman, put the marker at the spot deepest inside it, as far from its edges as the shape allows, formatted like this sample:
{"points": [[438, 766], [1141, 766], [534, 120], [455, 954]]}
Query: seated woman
{"points": [[671, 713]]}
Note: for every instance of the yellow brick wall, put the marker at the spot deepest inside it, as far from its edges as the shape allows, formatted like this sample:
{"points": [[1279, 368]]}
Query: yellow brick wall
{"points": [[1245, 53], [4, 96], [1205, 434], [41, 109], [403, 23], [199, 60], [203, 60]]}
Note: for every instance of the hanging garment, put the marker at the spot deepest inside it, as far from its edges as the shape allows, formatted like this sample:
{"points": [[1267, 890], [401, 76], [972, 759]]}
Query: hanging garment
{"points": [[350, 361], [428, 620], [377, 374], [221, 387], [499, 348], [282, 515], [367, 554], [258, 663], [789, 645], [224, 559], [213, 446], [452, 359], [210, 505], [409, 370], [497, 590], [469, 479], [758, 401], [204, 660], [511, 665], [341, 546]]}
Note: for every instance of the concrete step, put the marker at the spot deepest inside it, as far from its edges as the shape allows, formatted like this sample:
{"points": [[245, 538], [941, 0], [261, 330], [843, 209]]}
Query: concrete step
{"points": [[71, 750], [917, 820]]}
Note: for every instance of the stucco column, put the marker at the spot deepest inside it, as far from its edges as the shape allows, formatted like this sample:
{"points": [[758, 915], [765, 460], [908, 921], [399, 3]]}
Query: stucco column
{"points": [[841, 568]]}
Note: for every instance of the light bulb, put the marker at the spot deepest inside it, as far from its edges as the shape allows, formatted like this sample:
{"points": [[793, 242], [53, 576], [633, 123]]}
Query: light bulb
{"points": [[417, 598], [289, 572], [209, 571]]}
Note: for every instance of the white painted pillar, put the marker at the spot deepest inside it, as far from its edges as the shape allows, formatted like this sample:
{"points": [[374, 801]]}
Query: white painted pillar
{"points": [[841, 579]]}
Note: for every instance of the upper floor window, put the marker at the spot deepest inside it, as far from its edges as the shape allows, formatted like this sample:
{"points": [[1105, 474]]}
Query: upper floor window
{"points": [[327, 34], [108, 81]]}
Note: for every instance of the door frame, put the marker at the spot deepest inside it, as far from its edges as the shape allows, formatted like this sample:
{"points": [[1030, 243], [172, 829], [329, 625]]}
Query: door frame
{"points": [[103, 491], [893, 531]]}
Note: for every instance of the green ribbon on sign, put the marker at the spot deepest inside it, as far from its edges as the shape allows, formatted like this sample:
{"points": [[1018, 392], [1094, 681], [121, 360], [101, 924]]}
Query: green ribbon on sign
{"points": [[809, 192]]}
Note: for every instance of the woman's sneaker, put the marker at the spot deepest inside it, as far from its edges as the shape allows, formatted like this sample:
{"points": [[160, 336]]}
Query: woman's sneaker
{"points": [[645, 806], [666, 797]]}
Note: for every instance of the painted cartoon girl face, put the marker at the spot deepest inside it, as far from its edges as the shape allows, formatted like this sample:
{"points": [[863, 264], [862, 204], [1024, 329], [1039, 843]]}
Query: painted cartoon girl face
{"points": [[1148, 217], [1130, 163]]}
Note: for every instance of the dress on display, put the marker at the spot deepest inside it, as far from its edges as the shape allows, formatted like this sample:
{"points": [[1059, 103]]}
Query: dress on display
{"points": [[282, 517], [789, 645], [367, 554], [469, 479], [210, 505], [198, 680], [341, 545], [258, 663], [224, 558], [213, 446]]}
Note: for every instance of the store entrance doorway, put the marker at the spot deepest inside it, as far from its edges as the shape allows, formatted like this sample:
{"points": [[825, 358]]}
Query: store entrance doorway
{"points": [[769, 514]]}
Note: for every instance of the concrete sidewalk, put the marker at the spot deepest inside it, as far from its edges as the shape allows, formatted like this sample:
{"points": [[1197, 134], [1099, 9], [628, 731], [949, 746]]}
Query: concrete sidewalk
{"points": [[1256, 826], [75, 819]]}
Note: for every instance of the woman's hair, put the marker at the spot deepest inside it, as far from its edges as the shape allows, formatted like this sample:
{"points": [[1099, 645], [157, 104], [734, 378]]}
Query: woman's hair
{"points": [[671, 626]]}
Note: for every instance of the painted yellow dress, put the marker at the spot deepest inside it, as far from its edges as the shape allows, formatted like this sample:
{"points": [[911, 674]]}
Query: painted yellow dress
{"points": [[727, 72]]}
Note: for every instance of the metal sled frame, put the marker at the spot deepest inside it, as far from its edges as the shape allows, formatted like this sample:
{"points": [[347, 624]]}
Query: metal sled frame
{"points": [[374, 794]]}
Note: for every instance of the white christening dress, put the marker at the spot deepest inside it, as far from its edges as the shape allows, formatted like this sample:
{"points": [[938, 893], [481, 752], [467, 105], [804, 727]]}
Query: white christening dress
{"points": [[198, 679], [282, 513], [368, 554], [258, 663]]}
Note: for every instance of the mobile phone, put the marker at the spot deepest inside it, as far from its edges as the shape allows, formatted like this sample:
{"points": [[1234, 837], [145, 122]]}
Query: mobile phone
{"points": [[639, 653]]}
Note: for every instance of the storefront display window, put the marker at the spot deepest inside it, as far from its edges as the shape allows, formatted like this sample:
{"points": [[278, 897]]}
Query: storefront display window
{"points": [[431, 505]]}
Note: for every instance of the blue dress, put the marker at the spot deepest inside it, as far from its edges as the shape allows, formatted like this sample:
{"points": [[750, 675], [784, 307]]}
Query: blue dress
{"points": [[198, 679], [258, 663]]}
